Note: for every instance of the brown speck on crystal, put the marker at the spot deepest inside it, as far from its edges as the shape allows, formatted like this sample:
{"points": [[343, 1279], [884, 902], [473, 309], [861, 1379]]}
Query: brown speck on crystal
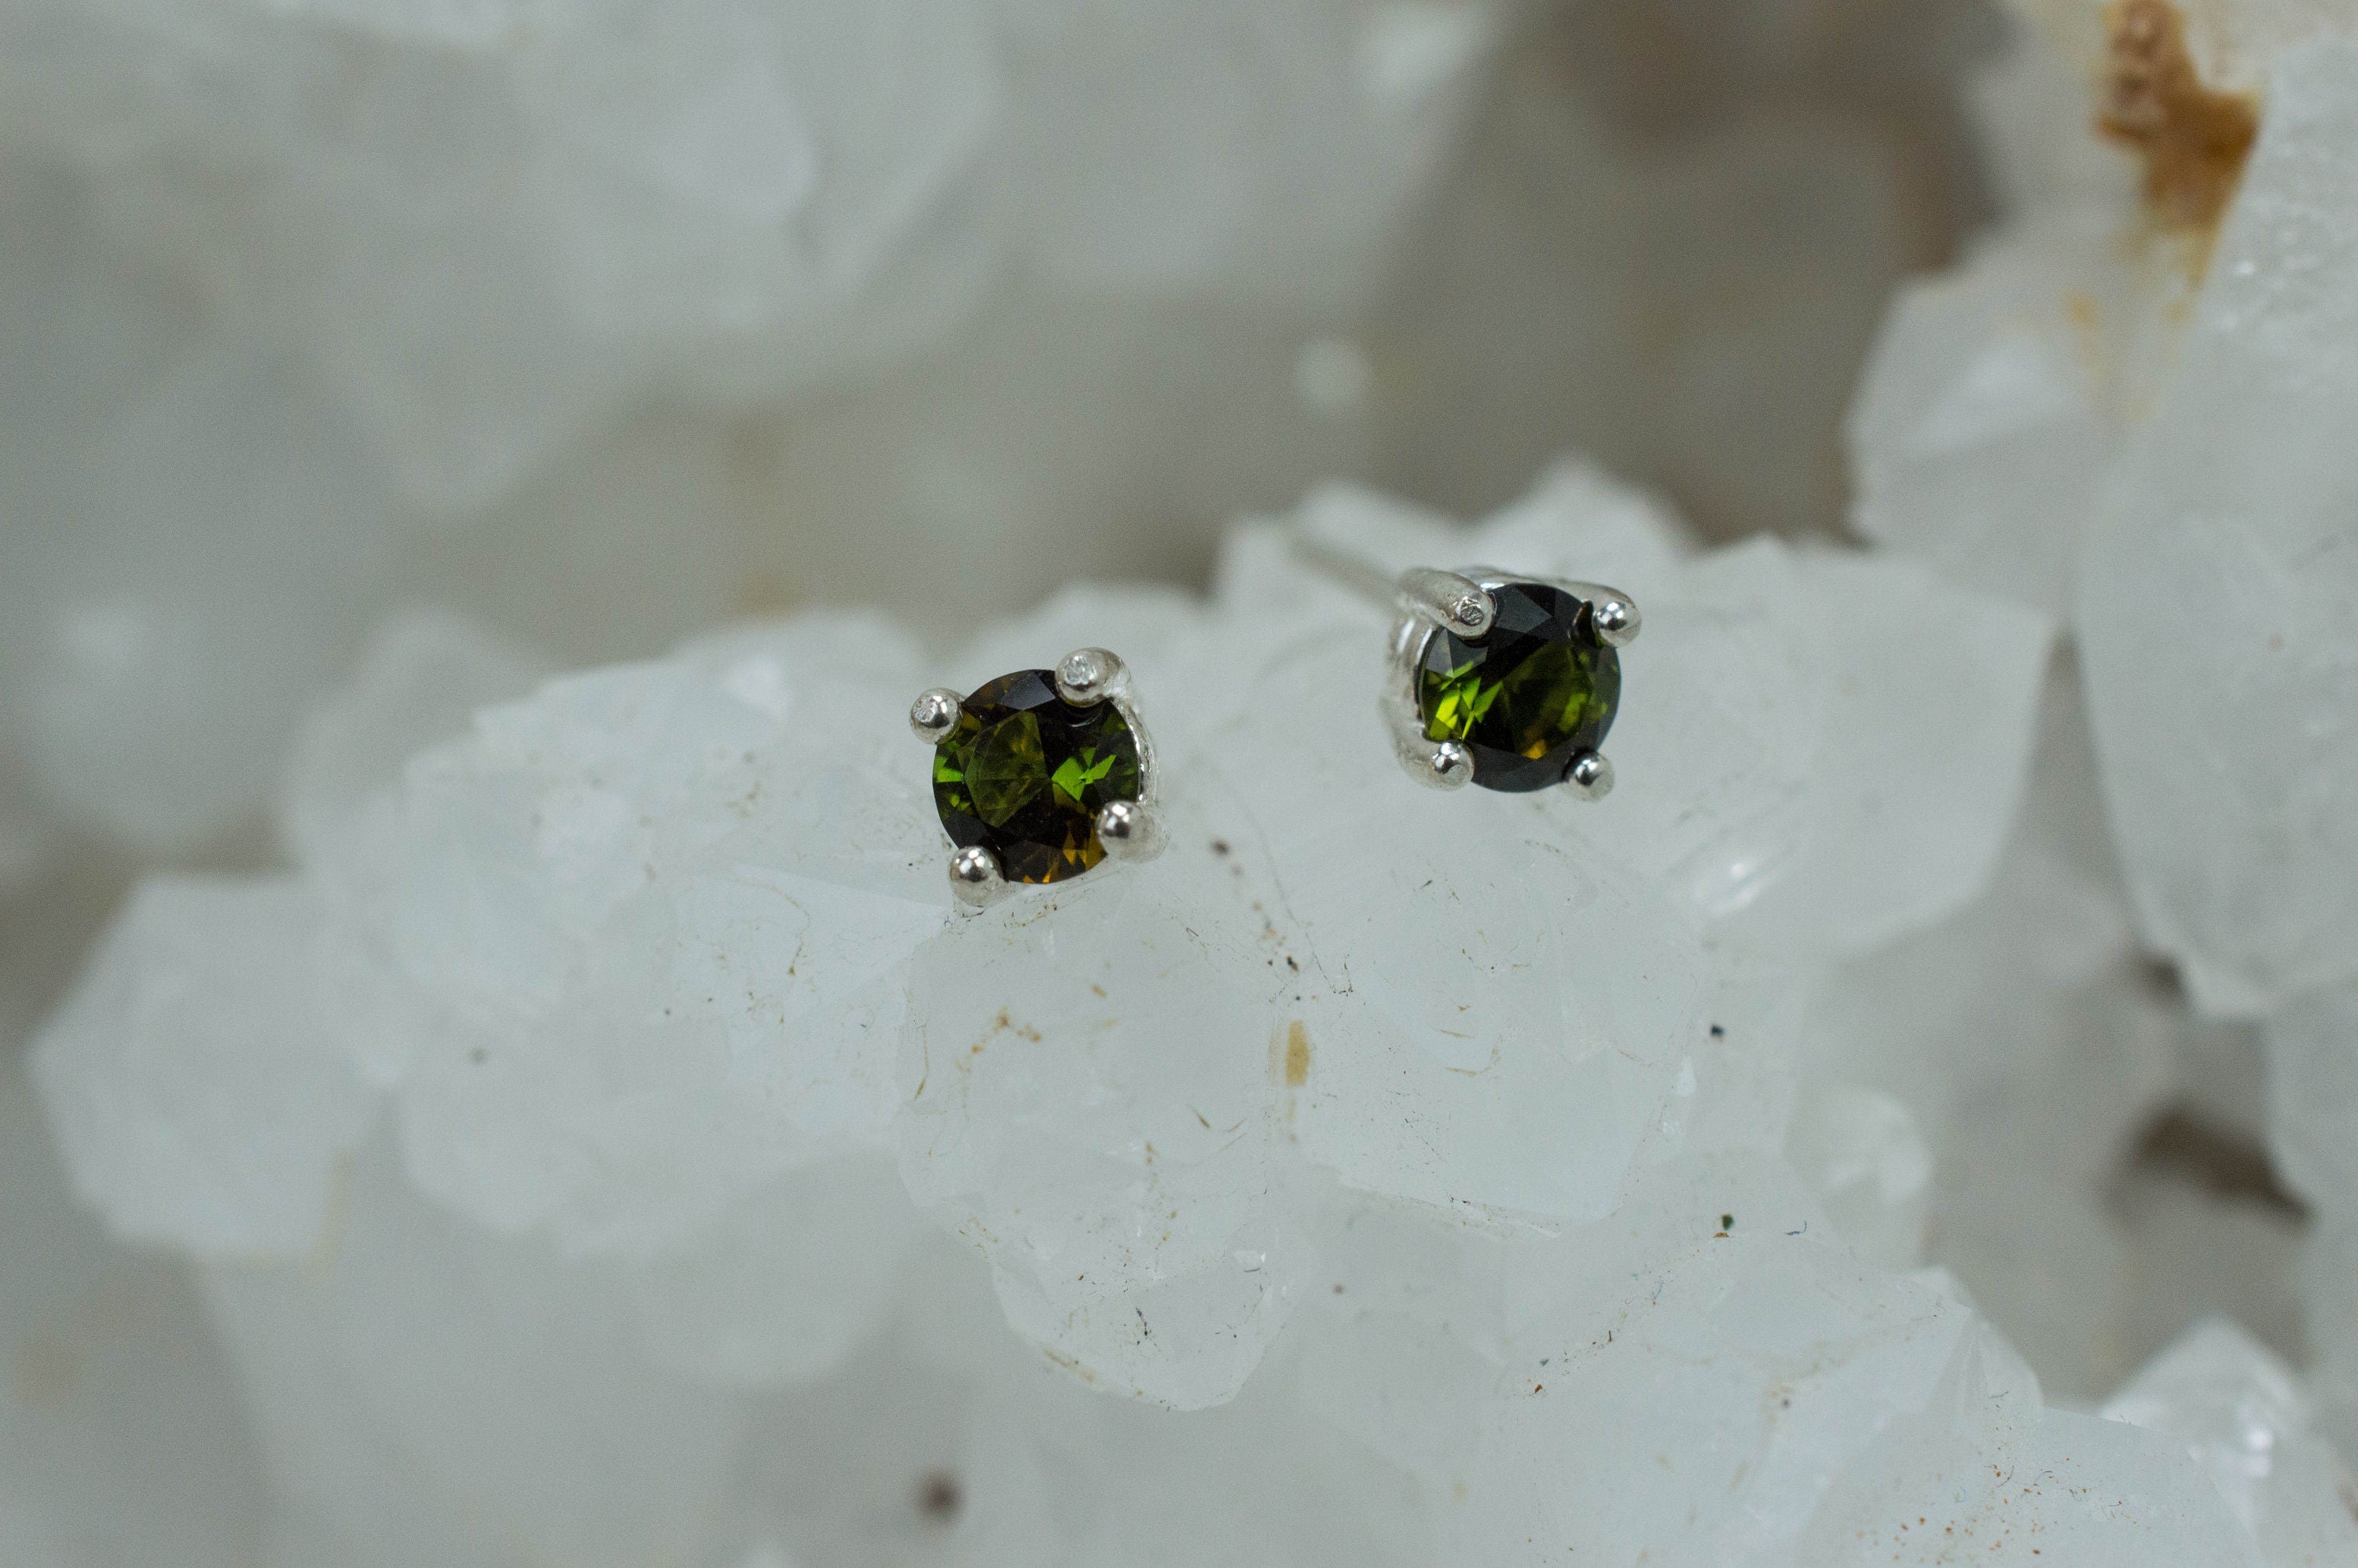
{"points": [[2192, 140]]}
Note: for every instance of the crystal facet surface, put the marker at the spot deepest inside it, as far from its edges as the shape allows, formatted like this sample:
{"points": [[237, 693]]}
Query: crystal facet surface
{"points": [[1024, 774], [1535, 691]]}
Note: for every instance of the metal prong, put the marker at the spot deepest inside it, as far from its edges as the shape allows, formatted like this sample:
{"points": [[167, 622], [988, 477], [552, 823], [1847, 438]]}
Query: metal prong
{"points": [[1087, 676], [934, 713], [1590, 776], [975, 880], [1616, 621], [1128, 832], [1455, 601], [1448, 766]]}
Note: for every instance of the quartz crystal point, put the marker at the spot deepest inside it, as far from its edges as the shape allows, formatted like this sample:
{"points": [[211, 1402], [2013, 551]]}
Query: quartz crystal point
{"points": [[2127, 403], [2022, 1035], [657, 902], [2246, 1418], [199, 1079], [1981, 433], [419, 681], [122, 1432], [431, 1391], [2229, 753]]}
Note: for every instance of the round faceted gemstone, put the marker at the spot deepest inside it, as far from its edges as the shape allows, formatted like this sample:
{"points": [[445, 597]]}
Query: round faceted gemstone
{"points": [[1533, 694], [1024, 774]]}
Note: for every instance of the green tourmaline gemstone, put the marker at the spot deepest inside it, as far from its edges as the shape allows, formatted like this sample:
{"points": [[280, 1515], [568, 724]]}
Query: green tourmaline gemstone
{"points": [[1023, 773], [1533, 694]]}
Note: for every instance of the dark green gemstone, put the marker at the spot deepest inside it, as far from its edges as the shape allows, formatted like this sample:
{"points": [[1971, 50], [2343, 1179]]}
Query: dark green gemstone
{"points": [[1533, 694], [1023, 773]]}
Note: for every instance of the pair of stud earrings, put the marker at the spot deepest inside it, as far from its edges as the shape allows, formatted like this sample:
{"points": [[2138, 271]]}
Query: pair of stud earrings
{"points": [[1507, 682]]}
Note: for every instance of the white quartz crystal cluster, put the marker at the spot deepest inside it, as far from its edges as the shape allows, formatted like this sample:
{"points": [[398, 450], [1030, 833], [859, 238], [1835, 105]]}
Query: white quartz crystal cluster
{"points": [[558, 1141], [2128, 403], [596, 1141]]}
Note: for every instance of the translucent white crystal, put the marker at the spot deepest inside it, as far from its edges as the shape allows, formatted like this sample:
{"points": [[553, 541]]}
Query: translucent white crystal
{"points": [[661, 903], [2067, 1488], [1089, 1099], [2022, 1035], [1073, 1476], [1558, 1391], [197, 1078], [420, 679], [1863, 1157], [790, 1279], [2242, 1414], [1809, 1355], [1980, 435], [2216, 601], [1472, 1010], [427, 1392], [123, 1436]]}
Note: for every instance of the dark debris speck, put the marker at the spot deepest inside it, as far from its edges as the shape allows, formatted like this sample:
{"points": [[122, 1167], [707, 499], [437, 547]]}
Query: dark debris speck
{"points": [[938, 1496]]}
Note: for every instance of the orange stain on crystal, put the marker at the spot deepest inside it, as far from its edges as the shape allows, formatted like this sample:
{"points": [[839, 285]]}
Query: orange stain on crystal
{"points": [[2192, 140]]}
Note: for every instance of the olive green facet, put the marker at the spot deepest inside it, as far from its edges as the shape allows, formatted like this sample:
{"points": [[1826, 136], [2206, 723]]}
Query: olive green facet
{"points": [[1535, 692], [1024, 774]]}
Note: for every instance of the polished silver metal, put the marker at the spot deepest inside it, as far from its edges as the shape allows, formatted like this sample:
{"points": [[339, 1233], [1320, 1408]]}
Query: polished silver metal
{"points": [[934, 714], [1445, 764], [1616, 619], [1130, 831], [976, 881], [1087, 676], [1590, 776], [1447, 599], [1091, 675]]}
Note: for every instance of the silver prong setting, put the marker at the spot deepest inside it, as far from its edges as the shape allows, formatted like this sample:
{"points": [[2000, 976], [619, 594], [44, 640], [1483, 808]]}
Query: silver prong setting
{"points": [[1616, 621], [1130, 831], [1590, 776], [1446, 599], [935, 714], [975, 880], [1446, 767], [1087, 676]]}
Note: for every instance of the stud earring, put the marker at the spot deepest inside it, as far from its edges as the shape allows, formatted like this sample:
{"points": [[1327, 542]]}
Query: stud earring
{"points": [[1504, 681], [1039, 775]]}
